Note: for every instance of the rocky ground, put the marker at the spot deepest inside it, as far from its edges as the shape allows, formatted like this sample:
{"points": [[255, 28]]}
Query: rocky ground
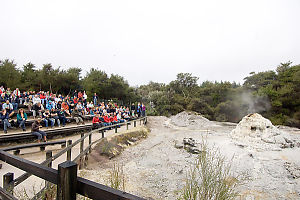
{"points": [[155, 169]]}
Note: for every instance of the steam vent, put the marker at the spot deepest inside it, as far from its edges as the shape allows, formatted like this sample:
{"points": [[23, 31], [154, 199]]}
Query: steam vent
{"points": [[256, 131]]}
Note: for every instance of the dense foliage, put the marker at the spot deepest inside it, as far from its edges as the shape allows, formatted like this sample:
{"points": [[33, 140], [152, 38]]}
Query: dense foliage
{"points": [[274, 94]]}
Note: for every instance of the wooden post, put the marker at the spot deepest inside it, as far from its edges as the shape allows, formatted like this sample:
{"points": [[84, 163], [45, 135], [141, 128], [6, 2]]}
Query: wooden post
{"points": [[116, 129], [42, 148], [7, 179], [69, 151], [67, 181], [48, 156], [127, 125], [102, 131], [86, 159], [90, 142], [134, 123], [81, 150]]}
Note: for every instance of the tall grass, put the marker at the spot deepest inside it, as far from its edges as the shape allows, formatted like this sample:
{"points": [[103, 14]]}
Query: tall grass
{"points": [[211, 177], [116, 177]]}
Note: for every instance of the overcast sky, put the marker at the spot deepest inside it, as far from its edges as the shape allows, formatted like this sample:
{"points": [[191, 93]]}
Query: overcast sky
{"points": [[153, 40]]}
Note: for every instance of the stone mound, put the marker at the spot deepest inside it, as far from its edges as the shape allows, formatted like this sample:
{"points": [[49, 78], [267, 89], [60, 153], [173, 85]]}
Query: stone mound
{"points": [[256, 130], [192, 120]]}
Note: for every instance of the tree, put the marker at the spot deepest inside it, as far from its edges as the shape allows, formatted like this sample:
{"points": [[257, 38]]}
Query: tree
{"points": [[10, 75]]}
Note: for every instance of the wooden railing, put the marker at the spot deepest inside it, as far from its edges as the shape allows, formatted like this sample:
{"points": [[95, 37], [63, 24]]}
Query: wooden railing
{"points": [[68, 184]]}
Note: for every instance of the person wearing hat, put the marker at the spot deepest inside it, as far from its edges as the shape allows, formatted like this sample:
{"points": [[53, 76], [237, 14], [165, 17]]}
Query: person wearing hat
{"points": [[35, 130]]}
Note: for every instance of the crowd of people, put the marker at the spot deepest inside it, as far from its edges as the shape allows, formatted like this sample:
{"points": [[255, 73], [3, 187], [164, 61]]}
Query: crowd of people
{"points": [[51, 109]]}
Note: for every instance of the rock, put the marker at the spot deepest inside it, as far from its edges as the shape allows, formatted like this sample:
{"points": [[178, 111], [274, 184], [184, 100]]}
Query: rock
{"points": [[178, 144], [192, 150], [293, 169], [279, 139], [189, 141], [192, 120], [256, 130]]}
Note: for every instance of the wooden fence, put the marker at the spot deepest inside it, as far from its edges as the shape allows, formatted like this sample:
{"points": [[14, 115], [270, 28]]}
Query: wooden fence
{"points": [[68, 184]]}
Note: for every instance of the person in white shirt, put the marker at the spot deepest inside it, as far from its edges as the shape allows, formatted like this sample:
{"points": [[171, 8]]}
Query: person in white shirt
{"points": [[36, 99]]}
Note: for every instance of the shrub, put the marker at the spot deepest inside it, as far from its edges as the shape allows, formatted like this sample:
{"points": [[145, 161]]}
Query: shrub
{"points": [[211, 177]]}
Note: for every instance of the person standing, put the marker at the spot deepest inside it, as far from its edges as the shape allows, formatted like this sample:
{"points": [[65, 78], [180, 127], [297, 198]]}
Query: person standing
{"points": [[95, 99], [132, 109], [143, 110]]}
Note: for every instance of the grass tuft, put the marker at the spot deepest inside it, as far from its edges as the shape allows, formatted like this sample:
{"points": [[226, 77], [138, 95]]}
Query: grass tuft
{"points": [[211, 177]]}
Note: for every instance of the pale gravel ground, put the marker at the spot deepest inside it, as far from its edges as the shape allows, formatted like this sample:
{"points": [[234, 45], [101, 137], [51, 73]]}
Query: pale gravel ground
{"points": [[155, 169]]}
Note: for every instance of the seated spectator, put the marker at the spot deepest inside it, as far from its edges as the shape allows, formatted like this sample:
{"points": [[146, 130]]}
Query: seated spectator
{"points": [[96, 122], [4, 116], [92, 111], [126, 116], [58, 105], [79, 106], [114, 119], [43, 97], [47, 118], [2, 99], [35, 130], [2, 89], [37, 108], [77, 116], [36, 99], [143, 110], [57, 99], [14, 100], [62, 116], [50, 105], [28, 102], [8, 107], [54, 115], [107, 119], [8, 92], [21, 118], [65, 106], [90, 105], [119, 117], [22, 97], [17, 92]]}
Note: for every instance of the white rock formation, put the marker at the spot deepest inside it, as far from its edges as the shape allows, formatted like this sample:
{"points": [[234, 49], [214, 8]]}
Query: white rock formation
{"points": [[256, 130], [190, 119]]}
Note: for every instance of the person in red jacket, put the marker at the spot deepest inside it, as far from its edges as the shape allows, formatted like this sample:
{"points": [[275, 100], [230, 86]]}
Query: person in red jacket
{"points": [[96, 122], [115, 119], [43, 98], [107, 118]]}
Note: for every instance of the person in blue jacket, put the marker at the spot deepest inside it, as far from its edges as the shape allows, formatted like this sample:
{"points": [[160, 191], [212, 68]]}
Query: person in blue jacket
{"points": [[4, 116]]}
